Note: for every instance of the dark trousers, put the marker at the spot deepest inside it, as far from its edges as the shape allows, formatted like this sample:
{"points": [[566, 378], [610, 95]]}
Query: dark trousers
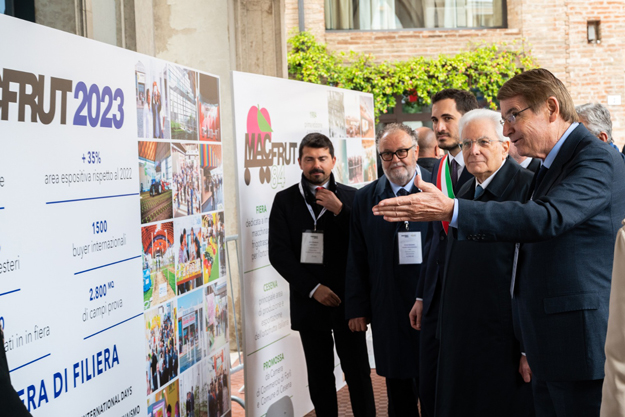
{"points": [[428, 356], [403, 397], [352, 350], [567, 398]]}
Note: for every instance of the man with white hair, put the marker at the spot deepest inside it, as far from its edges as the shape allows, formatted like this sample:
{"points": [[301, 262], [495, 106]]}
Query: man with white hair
{"points": [[478, 368]]}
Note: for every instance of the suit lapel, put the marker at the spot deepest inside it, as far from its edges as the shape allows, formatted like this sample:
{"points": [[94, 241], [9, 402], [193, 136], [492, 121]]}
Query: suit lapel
{"points": [[564, 156]]}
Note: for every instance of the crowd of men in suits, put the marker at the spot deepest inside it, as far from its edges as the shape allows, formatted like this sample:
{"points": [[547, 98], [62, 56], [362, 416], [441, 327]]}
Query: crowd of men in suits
{"points": [[485, 278], [483, 274]]}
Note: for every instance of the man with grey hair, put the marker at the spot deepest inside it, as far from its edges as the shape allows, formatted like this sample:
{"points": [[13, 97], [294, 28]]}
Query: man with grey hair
{"points": [[383, 265], [596, 118], [479, 353]]}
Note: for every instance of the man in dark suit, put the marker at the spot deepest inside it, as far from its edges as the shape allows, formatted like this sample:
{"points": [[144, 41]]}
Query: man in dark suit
{"points": [[481, 347], [561, 284], [10, 402], [448, 106], [383, 269], [308, 241]]}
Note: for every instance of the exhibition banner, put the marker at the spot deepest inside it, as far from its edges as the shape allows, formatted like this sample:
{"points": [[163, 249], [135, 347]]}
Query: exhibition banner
{"points": [[272, 115], [113, 297]]}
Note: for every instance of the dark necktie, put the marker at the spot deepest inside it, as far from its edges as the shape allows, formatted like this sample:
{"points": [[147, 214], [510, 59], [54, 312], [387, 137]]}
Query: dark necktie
{"points": [[478, 192], [316, 207], [402, 192], [541, 174], [454, 173]]}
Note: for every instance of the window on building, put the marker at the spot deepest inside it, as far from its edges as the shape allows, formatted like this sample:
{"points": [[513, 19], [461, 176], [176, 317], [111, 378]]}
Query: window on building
{"points": [[413, 14]]}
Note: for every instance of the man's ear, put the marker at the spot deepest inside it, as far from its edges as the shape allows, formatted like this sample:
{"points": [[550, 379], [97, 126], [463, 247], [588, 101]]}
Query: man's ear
{"points": [[554, 108], [603, 136]]}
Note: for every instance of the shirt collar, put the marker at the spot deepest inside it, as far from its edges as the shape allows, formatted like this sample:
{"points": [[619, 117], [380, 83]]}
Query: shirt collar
{"points": [[554, 151], [526, 162], [489, 179], [459, 158], [408, 186], [313, 187]]}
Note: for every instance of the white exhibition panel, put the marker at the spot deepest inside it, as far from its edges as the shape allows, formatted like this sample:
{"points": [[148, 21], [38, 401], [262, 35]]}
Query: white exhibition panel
{"points": [[272, 115], [113, 292]]}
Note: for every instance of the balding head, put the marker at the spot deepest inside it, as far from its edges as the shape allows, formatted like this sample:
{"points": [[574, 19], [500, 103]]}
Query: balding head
{"points": [[428, 145]]}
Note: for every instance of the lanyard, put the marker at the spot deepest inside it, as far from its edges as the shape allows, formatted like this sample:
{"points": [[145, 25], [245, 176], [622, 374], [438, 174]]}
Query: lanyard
{"points": [[312, 213]]}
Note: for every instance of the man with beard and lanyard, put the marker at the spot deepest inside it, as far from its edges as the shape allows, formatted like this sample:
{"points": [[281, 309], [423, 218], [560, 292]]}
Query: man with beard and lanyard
{"points": [[448, 106], [308, 241], [383, 268]]}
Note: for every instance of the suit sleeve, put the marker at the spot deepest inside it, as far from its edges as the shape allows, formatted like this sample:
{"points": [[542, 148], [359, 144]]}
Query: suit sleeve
{"points": [[282, 255], [9, 400], [357, 284], [583, 193]]}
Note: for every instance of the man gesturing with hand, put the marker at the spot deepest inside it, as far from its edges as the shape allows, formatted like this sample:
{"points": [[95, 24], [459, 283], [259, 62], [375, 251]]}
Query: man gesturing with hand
{"points": [[308, 241]]}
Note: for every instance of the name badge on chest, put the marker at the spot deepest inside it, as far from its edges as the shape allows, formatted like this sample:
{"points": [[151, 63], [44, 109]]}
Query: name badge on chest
{"points": [[409, 244], [312, 247]]}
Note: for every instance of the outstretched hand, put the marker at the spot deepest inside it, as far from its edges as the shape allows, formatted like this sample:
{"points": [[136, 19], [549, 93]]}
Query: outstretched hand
{"points": [[428, 205]]}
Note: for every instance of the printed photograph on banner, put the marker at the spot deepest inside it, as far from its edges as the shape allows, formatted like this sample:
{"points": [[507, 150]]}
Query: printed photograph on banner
{"points": [[194, 392], [159, 265], [162, 355], [212, 170], [336, 114], [208, 108], [352, 115], [367, 117], [219, 379], [192, 346], [165, 403], [217, 315], [340, 168], [155, 174], [183, 109], [188, 235], [152, 101], [370, 167], [186, 179], [355, 161], [213, 251]]}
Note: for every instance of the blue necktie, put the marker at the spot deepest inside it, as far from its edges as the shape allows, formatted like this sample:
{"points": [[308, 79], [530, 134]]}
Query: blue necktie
{"points": [[402, 192], [541, 174], [478, 192]]}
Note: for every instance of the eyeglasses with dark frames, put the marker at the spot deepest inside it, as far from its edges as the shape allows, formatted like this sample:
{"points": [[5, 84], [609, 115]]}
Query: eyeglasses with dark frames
{"points": [[401, 154]]}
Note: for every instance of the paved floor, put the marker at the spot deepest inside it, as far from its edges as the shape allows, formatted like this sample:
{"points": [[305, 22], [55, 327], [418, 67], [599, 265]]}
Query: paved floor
{"points": [[345, 408]]}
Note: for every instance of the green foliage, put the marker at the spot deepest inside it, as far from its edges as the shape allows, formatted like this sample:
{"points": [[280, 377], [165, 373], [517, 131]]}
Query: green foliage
{"points": [[483, 69]]}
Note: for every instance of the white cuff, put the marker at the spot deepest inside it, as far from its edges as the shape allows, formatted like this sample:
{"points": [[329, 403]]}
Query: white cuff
{"points": [[313, 291]]}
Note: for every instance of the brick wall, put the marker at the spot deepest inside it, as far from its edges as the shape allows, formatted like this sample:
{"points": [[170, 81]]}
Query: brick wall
{"points": [[554, 31]]}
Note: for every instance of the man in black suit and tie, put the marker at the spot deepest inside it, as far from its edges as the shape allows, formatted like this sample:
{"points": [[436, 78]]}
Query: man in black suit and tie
{"points": [[561, 283], [383, 269], [308, 241], [450, 174], [479, 353], [10, 402]]}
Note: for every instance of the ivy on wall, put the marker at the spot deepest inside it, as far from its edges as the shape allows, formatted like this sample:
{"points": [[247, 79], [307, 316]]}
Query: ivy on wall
{"points": [[483, 69]]}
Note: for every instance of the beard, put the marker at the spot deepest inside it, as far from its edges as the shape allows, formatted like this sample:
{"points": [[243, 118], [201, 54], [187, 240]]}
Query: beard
{"points": [[450, 143], [399, 173], [317, 180]]}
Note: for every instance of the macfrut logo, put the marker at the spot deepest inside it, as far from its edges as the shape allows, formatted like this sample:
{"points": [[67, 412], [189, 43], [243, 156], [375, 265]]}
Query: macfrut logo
{"points": [[260, 151]]}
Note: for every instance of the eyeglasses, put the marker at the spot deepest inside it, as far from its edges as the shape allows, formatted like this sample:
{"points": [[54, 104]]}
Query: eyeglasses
{"points": [[401, 154], [511, 118], [482, 143]]}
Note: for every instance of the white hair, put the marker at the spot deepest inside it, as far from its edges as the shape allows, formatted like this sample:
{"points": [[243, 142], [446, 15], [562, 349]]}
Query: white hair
{"points": [[483, 114]]}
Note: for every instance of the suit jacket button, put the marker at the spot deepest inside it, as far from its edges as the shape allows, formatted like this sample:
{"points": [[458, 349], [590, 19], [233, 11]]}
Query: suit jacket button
{"points": [[442, 237]]}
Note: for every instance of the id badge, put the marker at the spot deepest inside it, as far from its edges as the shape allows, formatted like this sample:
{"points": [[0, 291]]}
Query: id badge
{"points": [[409, 244], [312, 247]]}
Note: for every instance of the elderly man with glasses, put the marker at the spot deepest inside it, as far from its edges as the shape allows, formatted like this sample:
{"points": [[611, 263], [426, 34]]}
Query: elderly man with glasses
{"points": [[479, 353], [383, 267]]}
